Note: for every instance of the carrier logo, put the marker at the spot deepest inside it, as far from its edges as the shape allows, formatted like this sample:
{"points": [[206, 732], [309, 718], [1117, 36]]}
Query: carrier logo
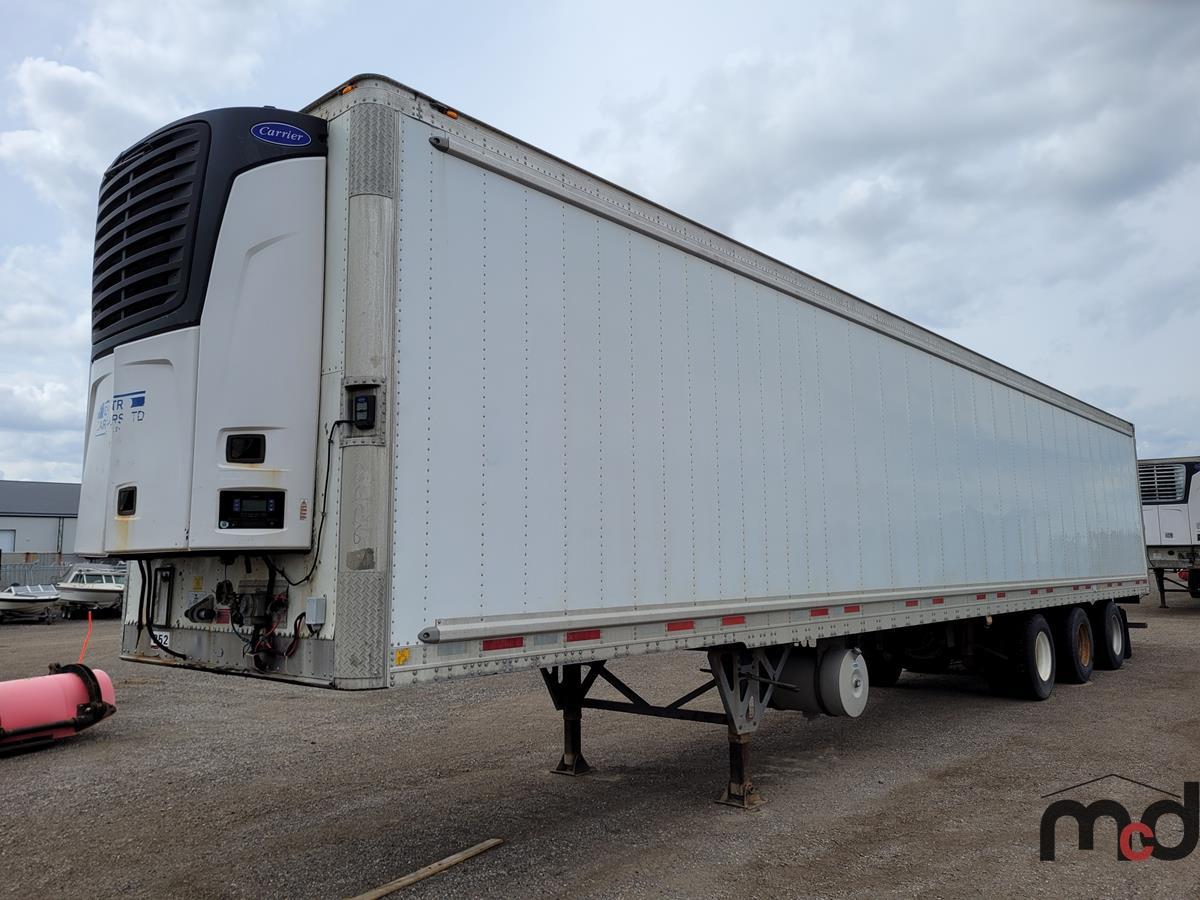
{"points": [[1146, 830], [281, 133]]}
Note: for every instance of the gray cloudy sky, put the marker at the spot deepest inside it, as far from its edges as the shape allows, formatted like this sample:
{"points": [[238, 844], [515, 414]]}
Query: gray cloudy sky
{"points": [[1022, 177]]}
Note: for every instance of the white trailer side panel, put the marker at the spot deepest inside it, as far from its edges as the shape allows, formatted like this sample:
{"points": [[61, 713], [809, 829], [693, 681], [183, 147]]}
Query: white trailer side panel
{"points": [[591, 419]]}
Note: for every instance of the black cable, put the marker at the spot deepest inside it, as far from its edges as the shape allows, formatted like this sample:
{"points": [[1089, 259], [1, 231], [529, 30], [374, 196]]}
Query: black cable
{"points": [[245, 641], [141, 604], [324, 509], [143, 571]]}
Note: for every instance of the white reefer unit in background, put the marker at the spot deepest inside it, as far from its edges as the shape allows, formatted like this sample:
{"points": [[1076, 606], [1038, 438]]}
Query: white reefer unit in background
{"points": [[531, 420], [1170, 491], [207, 303]]}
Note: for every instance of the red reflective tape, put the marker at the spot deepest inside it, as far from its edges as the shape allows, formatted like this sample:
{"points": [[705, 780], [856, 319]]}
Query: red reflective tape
{"points": [[507, 643], [1074, 587], [819, 611], [683, 625], [591, 634], [1000, 595], [1087, 587], [852, 608], [911, 602], [940, 600], [733, 620], [981, 596], [1033, 591], [1049, 590]]}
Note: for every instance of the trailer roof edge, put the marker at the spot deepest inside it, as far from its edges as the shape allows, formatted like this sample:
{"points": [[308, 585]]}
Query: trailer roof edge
{"points": [[981, 363]]}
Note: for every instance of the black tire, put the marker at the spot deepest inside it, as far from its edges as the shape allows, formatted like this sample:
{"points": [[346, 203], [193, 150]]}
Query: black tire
{"points": [[1109, 629], [1074, 645], [883, 669], [1032, 658]]}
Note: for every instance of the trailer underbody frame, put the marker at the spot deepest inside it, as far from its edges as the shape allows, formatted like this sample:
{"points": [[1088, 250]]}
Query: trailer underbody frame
{"points": [[744, 678]]}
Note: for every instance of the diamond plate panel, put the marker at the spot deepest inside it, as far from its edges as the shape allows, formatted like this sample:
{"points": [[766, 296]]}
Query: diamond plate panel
{"points": [[361, 640], [372, 150]]}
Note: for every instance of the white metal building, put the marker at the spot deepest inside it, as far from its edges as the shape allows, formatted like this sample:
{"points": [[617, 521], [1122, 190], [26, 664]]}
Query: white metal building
{"points": [[38, 517]]}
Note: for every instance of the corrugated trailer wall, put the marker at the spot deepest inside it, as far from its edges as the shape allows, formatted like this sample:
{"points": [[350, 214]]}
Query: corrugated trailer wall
{"points": [[588, 418]]}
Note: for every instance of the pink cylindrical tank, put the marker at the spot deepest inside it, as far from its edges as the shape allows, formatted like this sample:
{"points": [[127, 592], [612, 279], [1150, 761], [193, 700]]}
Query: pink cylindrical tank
{"points": [[50, 707]]}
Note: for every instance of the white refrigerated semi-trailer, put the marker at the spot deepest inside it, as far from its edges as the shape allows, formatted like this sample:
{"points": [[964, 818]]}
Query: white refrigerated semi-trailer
{"points": [[1171, 518], [381, 395]]}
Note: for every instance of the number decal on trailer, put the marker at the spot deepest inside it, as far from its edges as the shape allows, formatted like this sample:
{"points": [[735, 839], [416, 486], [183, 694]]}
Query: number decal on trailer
{"points": [[163, 637]]}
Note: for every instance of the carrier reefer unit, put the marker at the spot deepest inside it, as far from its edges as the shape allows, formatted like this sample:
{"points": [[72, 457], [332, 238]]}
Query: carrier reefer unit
{"points": [[381, 394], [1170, 491]]}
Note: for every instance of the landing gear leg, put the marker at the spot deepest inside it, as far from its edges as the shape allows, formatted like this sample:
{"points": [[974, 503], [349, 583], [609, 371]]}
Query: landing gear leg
{"points": [[1162, 590], [745, 681], [567, 688]]}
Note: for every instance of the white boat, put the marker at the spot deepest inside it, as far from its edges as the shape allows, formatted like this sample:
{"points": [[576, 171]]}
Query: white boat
{"points": [[23, 601], [91, 586]]}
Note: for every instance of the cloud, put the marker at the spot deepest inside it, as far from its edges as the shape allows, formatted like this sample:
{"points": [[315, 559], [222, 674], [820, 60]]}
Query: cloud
{"points": [[1023, 183], [44, 342], [147, 63]]}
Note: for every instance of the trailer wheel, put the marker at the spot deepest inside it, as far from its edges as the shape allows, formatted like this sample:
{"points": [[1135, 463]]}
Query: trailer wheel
{"points": [[1075, 646], [1109, 629], [1033, 664]]}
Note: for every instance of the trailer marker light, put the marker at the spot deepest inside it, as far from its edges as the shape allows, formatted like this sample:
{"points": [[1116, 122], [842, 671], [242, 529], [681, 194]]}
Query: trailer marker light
{"points": [[911, 603], [347, 89], [591, 634], [938, 601], [852, 608], [683, 625], [819, 611], [733, 620], [506, 643]]}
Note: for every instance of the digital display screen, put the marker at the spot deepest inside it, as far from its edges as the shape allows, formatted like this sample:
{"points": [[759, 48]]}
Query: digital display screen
{"points": [[251, 509]]}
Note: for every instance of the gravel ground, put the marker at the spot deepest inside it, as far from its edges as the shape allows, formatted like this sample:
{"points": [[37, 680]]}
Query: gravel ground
{"points": [[215, 786]]}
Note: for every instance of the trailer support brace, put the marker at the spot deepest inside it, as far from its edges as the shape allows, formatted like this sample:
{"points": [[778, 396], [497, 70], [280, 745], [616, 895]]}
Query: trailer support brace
{"points": [[744, 680], [1192, 588]]}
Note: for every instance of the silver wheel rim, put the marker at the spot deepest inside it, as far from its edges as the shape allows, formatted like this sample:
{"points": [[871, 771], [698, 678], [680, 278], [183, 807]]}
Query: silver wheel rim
{"points": [[1042, 656], [1117, 639]]}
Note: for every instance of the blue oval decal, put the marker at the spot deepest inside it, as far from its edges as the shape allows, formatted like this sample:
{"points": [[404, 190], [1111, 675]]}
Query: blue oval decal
{"points": [[281, 133]]}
